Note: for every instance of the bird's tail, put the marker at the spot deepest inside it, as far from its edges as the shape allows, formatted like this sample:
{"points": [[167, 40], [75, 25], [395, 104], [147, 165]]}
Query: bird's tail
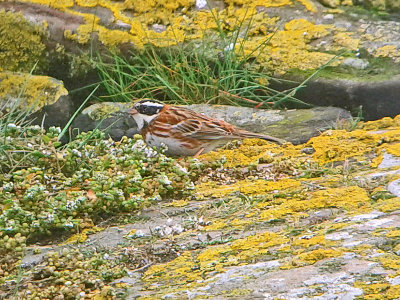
{"points": [[251, 135]]}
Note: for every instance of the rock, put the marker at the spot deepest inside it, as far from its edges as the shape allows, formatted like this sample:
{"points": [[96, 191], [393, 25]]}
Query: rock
{"points": [[108, 116], [376, 99], [43, 96], [394, 187], [296, 126], [355, 63], [389, 161]]}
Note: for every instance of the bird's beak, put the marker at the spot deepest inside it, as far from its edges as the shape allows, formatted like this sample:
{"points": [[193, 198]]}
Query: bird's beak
{"points": [[133, 111]]}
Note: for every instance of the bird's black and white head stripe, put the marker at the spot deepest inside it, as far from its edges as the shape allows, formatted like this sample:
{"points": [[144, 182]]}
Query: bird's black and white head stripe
{"points": [[148, 107], [146, 111]]}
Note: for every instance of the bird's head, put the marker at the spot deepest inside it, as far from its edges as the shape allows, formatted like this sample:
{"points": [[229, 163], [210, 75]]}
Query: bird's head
{"points": [[144, 111]]}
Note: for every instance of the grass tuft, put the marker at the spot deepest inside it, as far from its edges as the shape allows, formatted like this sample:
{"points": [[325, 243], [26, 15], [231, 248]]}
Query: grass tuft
{"points": [[214, 70]]}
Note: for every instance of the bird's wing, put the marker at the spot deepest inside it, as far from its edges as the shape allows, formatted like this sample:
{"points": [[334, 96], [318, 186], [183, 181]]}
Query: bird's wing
{"points": [[205, 129], [185, 122]]}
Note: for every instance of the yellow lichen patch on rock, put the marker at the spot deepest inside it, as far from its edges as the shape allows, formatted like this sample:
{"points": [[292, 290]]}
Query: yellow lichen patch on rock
{"points": [[379, 124], [313, 241], [313, 256], [179, 21], [252, 152], [344, 40], [393, 149], [21, 43], [351, 198], [30, 92], [379, 290], [388, 205], [339, 145], [189, 267], [62, 5], [348, 198], [388, 51], [178, 203], [82, 237], [289, 48], [215, 226], [247, 187]]}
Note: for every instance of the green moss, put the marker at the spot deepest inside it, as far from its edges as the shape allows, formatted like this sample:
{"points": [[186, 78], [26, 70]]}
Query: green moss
{"points": [[21, 43]]}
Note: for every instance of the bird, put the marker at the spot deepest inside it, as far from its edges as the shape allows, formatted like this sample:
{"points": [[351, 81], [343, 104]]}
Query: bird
{"points": [[183, 131]]}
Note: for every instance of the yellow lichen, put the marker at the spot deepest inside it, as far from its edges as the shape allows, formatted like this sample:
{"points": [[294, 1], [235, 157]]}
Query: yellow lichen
{"points": [[247, 187], [393, 149], [190, 266], [388, 205], [349, 198], [393, 233], [308, 242], [20, 43], [82, 237], [215, 226], [178, 203], [388, 51], [312, 257], [287, 49], [251, 152], [393, 292], [344, 40], [339, 145], [32, 92]]}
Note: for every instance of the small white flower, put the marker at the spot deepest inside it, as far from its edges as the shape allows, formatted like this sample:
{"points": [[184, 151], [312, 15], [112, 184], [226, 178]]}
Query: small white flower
{"points": [[201, 4], [139, 233], [230, 47], [77, 152], [163, 179], [50, 218], [177, 228]]}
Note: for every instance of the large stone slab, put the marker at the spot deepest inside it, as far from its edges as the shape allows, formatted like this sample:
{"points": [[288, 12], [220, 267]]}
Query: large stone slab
{"points": [[374, 99]]}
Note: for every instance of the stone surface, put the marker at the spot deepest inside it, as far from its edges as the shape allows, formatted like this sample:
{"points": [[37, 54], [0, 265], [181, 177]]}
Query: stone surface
{"points": [[394, 187], [110, 117], [296, 126], [356, 63], [389, 160], [374, 99]]}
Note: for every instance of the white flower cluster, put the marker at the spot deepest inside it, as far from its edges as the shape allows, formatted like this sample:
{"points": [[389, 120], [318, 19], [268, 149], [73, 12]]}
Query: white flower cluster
{"points": [[169, 229], [76, 152], [163, 179]]}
